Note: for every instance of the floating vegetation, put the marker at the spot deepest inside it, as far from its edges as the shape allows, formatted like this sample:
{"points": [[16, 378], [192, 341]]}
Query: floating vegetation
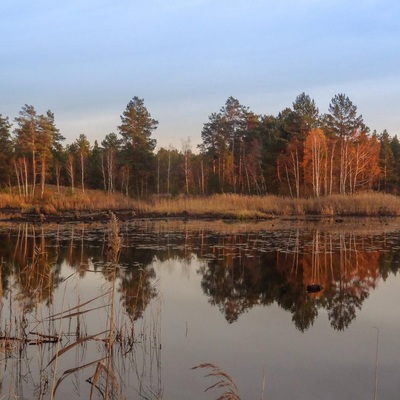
{"points": [[83, 336], [83, 302]]}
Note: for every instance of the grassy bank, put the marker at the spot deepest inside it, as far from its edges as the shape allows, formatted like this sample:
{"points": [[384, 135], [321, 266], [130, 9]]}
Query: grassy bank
{"points": [[368, 204], [243, 207]]}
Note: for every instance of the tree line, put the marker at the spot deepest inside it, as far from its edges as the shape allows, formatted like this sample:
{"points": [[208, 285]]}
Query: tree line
{"points": [[299, 152]]}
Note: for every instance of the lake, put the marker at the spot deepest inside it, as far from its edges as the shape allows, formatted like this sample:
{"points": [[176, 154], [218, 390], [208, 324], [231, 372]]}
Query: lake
{"points": [[82, 319]]}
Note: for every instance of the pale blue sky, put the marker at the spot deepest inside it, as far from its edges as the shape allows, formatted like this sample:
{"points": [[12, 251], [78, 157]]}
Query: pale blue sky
{"points": [[85, 60]]}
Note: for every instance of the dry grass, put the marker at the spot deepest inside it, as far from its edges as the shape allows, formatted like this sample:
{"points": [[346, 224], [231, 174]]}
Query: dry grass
{"points": [[224, 382], [11, 201], [53, 202], [89, 200], [244, 207], [369, 204]]}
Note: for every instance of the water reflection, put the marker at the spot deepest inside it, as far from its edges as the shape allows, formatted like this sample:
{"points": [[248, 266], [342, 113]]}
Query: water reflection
{"points": [[240, 270], [45, 270], [248, 270], [35, 256], [80, 334]]}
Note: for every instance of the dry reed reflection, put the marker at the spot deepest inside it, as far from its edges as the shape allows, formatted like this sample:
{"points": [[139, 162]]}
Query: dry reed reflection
{"points": [[95, 340], [58, 331]]}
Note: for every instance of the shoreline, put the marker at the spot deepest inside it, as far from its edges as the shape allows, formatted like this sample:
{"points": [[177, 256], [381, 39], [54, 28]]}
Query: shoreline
{"points": [[9, 215]]}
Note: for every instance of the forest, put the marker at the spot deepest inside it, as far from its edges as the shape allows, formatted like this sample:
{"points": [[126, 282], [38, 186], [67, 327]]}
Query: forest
{"points": [[298, 153]]}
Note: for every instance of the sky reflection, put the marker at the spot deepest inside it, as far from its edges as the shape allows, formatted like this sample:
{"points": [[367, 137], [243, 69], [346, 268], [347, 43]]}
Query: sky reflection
{"points": [[175, 287], [319, 363]]}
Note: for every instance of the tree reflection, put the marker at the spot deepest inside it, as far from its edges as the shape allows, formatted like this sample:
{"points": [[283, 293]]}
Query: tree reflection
{"points": [[31, 260], [347, 267], [239, 270], [32, 265], [111, 350], [137, 290], [342, 307]]}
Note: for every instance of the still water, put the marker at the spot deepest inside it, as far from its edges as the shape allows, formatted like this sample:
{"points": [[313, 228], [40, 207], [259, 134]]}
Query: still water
{"points": [[79, 324]]}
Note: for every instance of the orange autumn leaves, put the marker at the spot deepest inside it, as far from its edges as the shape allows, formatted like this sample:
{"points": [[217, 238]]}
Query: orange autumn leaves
{"points": [[323, 165]]}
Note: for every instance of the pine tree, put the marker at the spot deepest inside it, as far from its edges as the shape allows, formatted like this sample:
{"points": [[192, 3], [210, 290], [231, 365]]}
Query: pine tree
{"points": [[136, 129]]}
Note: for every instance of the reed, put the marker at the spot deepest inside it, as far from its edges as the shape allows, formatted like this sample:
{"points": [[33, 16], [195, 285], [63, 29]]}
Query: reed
{"points": [[65, 200], [244, 207], [224, 382], [235, 206], [58, 332]]}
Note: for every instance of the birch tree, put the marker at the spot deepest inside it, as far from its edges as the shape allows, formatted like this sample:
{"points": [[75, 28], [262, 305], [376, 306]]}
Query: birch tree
{"points": [[187, 167], [26, 144], [364, 162], [315, 156], [111, 147], [344, 122], [289, 167]]}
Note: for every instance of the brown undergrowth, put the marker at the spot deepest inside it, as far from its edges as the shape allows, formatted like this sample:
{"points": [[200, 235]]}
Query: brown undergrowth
{"points": [[367, 204]]}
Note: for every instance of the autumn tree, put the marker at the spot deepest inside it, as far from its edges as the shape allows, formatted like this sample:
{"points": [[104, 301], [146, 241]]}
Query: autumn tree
{"points": [[315, 156], [294, 126], [363, 162], [290, 166], [343, 122], [136, 129]]}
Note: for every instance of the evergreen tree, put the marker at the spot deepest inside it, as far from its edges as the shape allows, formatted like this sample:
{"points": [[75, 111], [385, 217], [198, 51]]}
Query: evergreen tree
{"points": [[93, 168], [6, 152], [386, 163], [26, 144], [395, 147], [272, 145], [344, 123], [82, 146], [306, 115], [136, 128], [46, 136], [223, 137]]}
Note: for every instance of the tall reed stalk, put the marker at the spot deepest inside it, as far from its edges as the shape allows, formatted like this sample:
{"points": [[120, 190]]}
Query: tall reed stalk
{"points": [[114, 245]]}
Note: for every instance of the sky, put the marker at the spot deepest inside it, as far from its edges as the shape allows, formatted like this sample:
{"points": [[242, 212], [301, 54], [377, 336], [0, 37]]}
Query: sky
{"points": [[85, 60]]}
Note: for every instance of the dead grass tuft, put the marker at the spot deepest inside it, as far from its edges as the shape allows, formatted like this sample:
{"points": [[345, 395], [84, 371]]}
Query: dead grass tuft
{"points": [[224, 382]]}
